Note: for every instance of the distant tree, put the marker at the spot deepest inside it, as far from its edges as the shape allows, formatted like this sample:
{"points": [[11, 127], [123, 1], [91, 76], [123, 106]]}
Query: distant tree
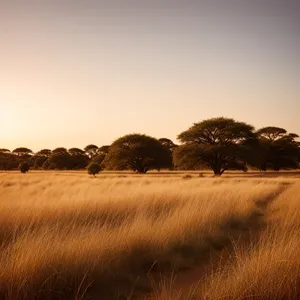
{"points": [[76, 151], [7, 160], [79, 159], [99, 158], [22, 152], [44, 152], [168, 143], [93, 169], [39, 161], [276, 149], [60, 150], [271, 133], [60, 160], [103, 149], [46, 165], [137, 152], [100, 155], [218, 143], [24, 167], [91, 150], [4, 151]]}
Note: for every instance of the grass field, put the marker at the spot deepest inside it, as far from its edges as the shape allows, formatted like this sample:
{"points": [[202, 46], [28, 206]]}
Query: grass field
{"points": [[158, 236]]}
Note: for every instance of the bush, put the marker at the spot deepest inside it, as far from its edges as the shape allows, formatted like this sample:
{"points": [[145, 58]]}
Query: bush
{"points": [[24, 167], [93, 168]]}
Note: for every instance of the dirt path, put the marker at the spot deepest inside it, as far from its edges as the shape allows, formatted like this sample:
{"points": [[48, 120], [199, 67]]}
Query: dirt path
{"points": [[182, 284]]}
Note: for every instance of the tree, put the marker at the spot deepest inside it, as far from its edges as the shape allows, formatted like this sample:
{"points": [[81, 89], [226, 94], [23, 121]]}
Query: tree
{"points": [[168, 143], [170, 146], [4, 151], [46, 165], [79, 159], [99, 158], [39, 161], [24, 167], [218, 143], [44, 152], [100, 155], [39, 158], [276, 149], [59, 160], [93, 169], [7, 160], [91, 150], [76, 151], [103, 149], [60, 150], [271, 133], [137, 152], [23, 152]]}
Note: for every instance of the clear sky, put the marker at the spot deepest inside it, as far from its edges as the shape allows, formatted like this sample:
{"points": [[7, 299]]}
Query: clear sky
{"points": [[79, 72]]}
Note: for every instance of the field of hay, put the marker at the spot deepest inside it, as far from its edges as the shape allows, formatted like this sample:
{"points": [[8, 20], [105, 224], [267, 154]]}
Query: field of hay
{"points": [[120, 236]]}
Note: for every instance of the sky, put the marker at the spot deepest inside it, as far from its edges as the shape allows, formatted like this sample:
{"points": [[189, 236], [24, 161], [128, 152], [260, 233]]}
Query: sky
{"points": [[77, 72]]}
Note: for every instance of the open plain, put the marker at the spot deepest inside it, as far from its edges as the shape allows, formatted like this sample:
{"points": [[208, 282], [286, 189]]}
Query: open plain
{"points": [[168, 235]]}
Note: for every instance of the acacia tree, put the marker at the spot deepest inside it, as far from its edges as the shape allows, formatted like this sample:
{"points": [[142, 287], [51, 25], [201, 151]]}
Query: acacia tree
{"points": [[137, 152], [91, 150], [168, 143], [103, 149], [59, 159], [7, 159], [218, 143], [100, 155], [23, 152], [39, 161], [44, 152], [79, 159], [276, 149]]}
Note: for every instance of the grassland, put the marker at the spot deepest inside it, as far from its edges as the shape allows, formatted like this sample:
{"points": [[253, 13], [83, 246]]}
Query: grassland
{"points": [[156, 236]]}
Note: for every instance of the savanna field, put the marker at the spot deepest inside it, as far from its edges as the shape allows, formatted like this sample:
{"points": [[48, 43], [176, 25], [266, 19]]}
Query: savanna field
{"points": [[160, 236]]}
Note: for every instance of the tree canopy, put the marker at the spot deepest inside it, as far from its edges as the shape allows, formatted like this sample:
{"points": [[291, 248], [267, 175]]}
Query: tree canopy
{"points": [[93, 169], [276, 149], [218, 143], [22, 152], [91, 150], [137, 152], [24, 167]]}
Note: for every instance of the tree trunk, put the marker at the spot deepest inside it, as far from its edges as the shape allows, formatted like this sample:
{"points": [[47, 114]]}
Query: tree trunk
{"points": [[142, 170], [217, 169]]}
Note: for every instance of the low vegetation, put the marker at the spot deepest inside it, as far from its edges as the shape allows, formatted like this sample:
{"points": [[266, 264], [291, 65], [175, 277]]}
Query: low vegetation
{"points": [[65, 236], [93, 169]]}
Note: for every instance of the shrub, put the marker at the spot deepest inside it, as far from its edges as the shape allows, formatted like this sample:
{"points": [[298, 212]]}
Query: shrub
{"points": [[24, 167], [93, 168]]}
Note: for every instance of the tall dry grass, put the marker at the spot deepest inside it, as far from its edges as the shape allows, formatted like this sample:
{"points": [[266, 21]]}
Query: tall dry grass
{"points": [[269, 268], [74, 237]]}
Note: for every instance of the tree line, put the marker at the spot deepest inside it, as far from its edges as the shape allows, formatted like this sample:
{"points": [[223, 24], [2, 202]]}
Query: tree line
{"points": [[218, 144]]}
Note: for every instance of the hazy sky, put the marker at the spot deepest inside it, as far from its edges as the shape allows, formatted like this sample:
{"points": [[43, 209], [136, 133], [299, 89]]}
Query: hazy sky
{"points": [[78, 72]]}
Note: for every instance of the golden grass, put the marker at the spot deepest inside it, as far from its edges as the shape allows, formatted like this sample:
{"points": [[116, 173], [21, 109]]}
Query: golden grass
{"points": [[270, 268], [76, 237]]}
